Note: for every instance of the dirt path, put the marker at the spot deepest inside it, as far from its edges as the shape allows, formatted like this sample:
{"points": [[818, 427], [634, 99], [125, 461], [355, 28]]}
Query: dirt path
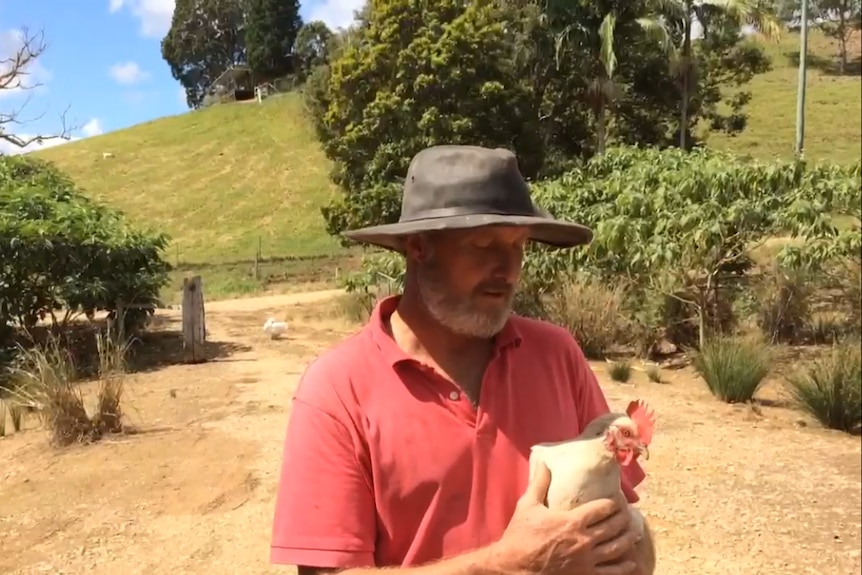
{"points": [[730, 491]]}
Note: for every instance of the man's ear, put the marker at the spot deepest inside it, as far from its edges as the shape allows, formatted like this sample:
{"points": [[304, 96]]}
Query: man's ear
{"points": [[417, 247]]}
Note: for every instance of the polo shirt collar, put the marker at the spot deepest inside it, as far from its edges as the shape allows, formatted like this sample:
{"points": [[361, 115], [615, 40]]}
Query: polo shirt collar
{"points": [[508, 337]]}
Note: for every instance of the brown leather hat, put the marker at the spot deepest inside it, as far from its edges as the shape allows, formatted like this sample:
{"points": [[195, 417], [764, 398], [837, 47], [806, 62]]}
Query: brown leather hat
{"points": [[457, 187]]}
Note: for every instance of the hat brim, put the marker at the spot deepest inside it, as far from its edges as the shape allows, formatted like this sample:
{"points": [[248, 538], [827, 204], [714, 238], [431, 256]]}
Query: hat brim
{"points": [[548, 231]]}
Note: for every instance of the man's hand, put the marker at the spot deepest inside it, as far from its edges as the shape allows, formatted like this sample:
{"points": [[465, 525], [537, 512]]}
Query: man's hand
{"points": [[594, 539]]}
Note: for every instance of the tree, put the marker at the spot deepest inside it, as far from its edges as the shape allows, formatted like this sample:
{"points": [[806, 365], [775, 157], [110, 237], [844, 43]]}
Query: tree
{"points": [[311, 49], [61, 252], [15, 67], [415, 79], [604, 90], [205, 39], [681, 14], [840, 20], [271, 27], [515, 74]]}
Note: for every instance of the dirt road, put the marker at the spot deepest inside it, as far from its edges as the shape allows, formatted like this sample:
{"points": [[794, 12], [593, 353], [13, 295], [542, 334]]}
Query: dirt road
{"points": [[729, 491]]}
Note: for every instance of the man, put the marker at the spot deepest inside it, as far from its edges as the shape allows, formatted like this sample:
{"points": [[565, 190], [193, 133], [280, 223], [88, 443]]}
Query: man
{"points": [[407, 446]]}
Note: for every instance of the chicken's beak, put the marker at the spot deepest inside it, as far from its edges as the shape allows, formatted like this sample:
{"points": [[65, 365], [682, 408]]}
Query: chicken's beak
{"points": [[644, 451]]}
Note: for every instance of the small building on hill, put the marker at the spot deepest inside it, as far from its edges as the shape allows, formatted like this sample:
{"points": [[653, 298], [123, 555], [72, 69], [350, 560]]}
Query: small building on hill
{"points": [[235, 83]]}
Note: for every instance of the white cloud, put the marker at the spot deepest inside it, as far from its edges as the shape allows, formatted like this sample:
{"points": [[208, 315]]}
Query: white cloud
{"points": [[92, 128], [128, 73], [154, 15], [334, 13], [31, 76]]}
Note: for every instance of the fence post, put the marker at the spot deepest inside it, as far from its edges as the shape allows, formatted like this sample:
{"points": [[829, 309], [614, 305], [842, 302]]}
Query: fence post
{"points": [[194, 321]]}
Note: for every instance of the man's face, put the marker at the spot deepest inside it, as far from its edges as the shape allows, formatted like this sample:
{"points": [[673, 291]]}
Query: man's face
{"points": [[467, 278]]}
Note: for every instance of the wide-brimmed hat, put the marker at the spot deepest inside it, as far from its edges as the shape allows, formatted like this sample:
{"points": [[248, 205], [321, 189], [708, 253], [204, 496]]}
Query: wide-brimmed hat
{"points": [[457, 187]]}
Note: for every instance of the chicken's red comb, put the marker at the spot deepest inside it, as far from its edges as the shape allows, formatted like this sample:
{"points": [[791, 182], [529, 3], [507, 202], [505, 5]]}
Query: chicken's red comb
{"points": [[644, 417]]}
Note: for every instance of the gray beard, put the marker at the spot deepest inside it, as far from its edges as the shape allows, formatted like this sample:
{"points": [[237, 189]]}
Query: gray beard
{"points": [[459, 315]]}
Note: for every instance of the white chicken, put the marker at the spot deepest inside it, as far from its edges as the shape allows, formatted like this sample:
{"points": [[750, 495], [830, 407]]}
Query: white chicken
{"points": [[274, 328], [589, 467]]}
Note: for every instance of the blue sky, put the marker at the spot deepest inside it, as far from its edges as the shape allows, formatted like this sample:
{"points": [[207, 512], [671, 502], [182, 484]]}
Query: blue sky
{"points": [[103, 62]]}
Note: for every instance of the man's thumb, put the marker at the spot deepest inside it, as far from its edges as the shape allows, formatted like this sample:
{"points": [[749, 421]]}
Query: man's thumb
{"points": [[540, 480]]}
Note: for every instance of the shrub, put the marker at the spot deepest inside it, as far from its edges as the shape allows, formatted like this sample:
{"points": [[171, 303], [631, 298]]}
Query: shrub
{"points": [[620, 370], [381, 275], [830, 389], [62, 253], [828, 327], [591, 311], [16, 413], [653, 373], [678, 226], [733, 368], [46, 380], [850, 286], [782, 297], [108, 415]]}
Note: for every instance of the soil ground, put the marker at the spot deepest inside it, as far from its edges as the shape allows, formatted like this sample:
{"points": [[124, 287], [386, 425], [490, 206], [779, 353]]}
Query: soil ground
{"points": [[731, 490]]}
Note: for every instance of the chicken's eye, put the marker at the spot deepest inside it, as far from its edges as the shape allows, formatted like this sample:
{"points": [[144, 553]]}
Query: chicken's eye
{"points": [[627, 433]]}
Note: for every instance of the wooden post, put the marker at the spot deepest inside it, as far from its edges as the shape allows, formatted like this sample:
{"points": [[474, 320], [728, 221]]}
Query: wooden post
{"points": [[194, 321]]}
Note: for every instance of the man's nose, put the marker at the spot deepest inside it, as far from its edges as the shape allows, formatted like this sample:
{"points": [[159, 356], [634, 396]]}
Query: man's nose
{"points": [[508, 264]]}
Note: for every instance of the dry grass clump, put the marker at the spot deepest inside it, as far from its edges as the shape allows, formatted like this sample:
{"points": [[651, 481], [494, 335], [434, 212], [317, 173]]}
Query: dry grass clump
{"points": [[592, 312], [653, 373], [108, 416], [45, 380], [733, 368], [620, 371], [783, 298], [830, 389]]}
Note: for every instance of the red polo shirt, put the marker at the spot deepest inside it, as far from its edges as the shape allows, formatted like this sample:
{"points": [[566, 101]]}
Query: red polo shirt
{"points": [[386, 463]]}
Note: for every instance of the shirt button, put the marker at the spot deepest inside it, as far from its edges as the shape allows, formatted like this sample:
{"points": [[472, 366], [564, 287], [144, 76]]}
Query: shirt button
{"points": [[454, 395]]}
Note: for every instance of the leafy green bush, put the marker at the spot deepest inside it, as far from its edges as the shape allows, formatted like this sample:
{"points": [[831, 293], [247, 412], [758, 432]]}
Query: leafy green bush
{"points": [[733, 368], [830, 389], [678, 228], [61, 252], [381, 275]]}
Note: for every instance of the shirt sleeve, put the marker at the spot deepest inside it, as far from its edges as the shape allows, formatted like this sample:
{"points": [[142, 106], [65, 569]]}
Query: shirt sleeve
{"points": [[591, 404], [324, 513]]}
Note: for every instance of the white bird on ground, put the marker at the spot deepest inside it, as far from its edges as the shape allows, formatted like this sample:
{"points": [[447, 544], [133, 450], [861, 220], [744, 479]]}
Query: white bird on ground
{"points": [[274, 328]]}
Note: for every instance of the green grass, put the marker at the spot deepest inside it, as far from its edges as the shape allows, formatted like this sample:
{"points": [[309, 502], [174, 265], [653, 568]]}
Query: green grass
{"points": [[237, 279], [218, 180], [227, 180], [833, 118]]}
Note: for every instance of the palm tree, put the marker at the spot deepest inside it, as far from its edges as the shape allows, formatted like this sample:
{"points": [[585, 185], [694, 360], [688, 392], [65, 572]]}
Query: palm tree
{"points": [[603, 90], [759, 14]]}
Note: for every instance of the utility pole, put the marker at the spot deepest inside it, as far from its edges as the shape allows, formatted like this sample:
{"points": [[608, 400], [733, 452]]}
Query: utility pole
{"points": [[800, 90]]}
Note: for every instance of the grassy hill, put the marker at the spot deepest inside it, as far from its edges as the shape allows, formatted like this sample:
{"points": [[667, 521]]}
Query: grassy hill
{"points": [[223, 180], [217, 180], [833, 110]]}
